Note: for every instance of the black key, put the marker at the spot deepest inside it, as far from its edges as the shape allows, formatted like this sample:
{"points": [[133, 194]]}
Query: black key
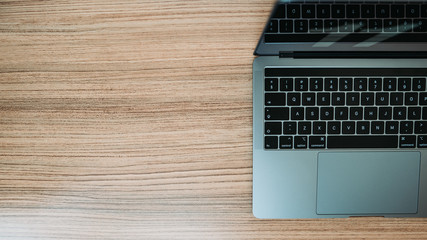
{"points": [[419, 84], [286, 84], [326, 113], [341, 113], [360, 25], [316, 25], [420, 25], [323, 99], [367, 99], [293, 11], [301, 26], [294, 99], [286, 26], [334, 127], [385, 113], [362, 141], [424, 113], [348, 128], [308, 11], [338, 99], [280, 11], [297, 113], [404, 84], [406, 127], [422, 141], [405, 25], [356, 113], [399, 113], [375, 84], [377, 127], [390, 84], [407, 142], [381, 99], [363, 127], [423, 98], [331, 84], [312, 113], [414, 113], [317, 142], [368, 11], [300, 142], [289, 128], [420, 127], [331, 26], [392, 127], [308, 99], [273, 128], [316, 84], [271, 142], [345, 25], [412, 11], [371, 113], [273, 26], [390, 25], [346, 84], [424, 10], [397, 11], [375, 25], [285, 142], [338, 11], [304, 128], [411, 98], [353, 11], [271, 84], [353, 99], [276, 113], [301, 84], [275, 99], [360, 84], [382, 11], [396, 99], [319, 127], [323, 11]]}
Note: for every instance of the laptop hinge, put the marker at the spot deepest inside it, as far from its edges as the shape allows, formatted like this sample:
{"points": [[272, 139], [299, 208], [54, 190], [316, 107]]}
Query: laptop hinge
{"points": [[361, 54]]}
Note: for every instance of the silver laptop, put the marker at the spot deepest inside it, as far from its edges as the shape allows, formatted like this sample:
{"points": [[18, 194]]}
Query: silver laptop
{"points": [[340, 110]]}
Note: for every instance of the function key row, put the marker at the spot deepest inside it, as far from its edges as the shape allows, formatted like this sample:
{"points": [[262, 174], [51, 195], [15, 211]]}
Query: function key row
{"points": [[347, 26], [344, 84], [337, 10]]}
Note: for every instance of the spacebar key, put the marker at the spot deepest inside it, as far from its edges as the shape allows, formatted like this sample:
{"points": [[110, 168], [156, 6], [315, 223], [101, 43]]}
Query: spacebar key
{"points": [[388, 141]]}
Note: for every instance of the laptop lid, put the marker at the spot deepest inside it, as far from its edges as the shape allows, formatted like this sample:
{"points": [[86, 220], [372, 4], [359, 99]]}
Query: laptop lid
{"points": [[396, 35]]}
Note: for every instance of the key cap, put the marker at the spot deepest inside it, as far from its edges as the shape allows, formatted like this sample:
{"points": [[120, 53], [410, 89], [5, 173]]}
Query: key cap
{"points": [[412, 11], [331, 25], [397, 11], [275, 99], [348, 127], [346, 84], [407, 141], [392, 127], [334, 127], [399, 113], [304, 128], [273, 26], [280, 11], [390, 84], [405, 25], [316, 25], [308, 99], [338, 99], [326, 113], [420, 25], [390, 25], [286, 84], [319, 127], [385, 113], [396, 99], [386, 141], [367, 11], [316, 84], [323, 11], [419, 84], [271, 84], [331, 84], [323, 99], [423, 98], [411, 98], [301, 26], [338, 11], [363, 127], [273, 128], [375, 25], [382, 11], [294, 99], [353, 11], [301, 142], [414, 113], [286, 142], [367, 99], [286, 26], [293, 11], [297, 113], [317, 142], [271, 142], [371, 113], [301, 84], [381, 99], [404, 84], [360, 84], [375, 84], [308, 11], [341, 113], [356, 113], [312, 113], [289, 128], [422, 141], [377, 127], [360, 25], [406, 127], [353, 99], [276, 113], [345, 25], [420, 127]]}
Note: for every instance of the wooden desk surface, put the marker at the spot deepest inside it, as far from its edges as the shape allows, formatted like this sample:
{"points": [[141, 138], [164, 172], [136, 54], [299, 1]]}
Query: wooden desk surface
{"points": [[132, 120]]}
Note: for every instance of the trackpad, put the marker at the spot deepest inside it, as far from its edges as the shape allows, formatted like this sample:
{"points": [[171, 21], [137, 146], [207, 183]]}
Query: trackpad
{"points": [[368, 182]]}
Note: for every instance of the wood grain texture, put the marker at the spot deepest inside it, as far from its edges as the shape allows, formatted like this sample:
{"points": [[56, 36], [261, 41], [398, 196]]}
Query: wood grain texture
{"points": [[133, 120]]}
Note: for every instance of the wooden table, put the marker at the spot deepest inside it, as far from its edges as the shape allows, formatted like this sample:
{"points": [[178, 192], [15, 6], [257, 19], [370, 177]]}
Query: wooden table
{"points": [[133, 120]]}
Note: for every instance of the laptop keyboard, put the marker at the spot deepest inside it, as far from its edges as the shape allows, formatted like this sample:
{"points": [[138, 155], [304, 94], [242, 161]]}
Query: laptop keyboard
{"points": [[329, 108], [348, 22]]}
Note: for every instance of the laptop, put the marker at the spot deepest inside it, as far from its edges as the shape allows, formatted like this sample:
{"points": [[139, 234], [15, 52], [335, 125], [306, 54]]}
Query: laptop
{"points": [[340, 110]]}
